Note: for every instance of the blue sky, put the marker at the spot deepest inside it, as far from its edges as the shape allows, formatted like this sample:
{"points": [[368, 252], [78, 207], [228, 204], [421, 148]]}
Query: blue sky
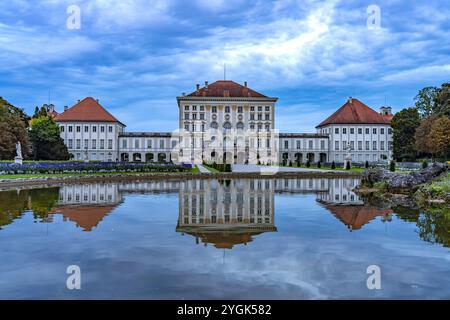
{"points": [[136, 56]]}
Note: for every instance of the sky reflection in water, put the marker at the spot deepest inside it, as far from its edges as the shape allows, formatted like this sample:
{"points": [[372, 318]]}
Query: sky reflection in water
{"points": [[203, 239]]}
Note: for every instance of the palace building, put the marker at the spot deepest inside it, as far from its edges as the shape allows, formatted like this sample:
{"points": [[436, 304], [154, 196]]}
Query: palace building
{"points": [[226, 122]]}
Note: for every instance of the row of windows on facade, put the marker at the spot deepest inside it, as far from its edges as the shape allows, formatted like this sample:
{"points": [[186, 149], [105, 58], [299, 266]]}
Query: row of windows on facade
{"points": [[201, 116], [148, 144], [85, 197], [86, 144], [86, 128], [310, 144], [240, 109], [226, 219], [227, 200], [360, 130], [360, 145], [196, 143], [227, 126]]}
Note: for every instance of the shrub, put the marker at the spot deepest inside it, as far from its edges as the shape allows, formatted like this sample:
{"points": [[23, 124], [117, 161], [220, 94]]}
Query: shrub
{"points": [[348, 166], [392, 166], [424, 164], [319, 165], [299, 163], [290, 163], [333, 165], [366, 165], [308, 164]]}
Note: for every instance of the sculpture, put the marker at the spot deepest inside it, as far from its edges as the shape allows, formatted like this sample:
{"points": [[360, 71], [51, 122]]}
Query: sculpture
{"points": [[18, 159]]}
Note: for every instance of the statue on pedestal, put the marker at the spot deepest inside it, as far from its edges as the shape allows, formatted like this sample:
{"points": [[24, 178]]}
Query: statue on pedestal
{"points": [[347, 156], [18, 158]]}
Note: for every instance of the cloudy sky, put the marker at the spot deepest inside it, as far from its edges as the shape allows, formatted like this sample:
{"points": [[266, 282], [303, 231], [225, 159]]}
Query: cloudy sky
{"points": [[136, 56]]}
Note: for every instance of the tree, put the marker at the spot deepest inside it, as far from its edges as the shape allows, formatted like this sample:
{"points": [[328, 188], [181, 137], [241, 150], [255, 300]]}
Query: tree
{"points": [[404, 125], [12, 129], [426, 102], [348, 166], [422, 135], [440, 137], [333, 165], [392, 166], [39, 112], [442, 100], [46, 140]]}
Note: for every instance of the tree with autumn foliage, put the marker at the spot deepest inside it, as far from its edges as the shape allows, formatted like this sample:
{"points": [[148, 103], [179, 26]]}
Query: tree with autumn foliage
{"points": [[440, 138], [404, 125], [421, 137]]}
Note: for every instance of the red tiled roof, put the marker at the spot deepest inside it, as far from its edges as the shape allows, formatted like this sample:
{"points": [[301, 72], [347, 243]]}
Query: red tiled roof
{"points": [[52, 114], [226, 88], [86, 217], [87, 109], [355, 217], [355, 112]]}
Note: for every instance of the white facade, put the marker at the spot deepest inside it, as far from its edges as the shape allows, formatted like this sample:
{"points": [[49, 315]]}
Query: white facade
{"points": [[95, 141]]}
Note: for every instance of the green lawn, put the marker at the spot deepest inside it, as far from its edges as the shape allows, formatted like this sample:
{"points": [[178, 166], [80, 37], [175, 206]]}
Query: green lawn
{"points": [[441, 185], [44, 175], [211, 169]]}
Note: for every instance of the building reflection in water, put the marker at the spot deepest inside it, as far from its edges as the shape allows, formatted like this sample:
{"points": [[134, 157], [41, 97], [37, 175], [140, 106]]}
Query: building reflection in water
{"points": [[223, 213]]}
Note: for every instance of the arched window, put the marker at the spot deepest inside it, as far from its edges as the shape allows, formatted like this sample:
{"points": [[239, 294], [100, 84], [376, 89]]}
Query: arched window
{"points": [[214, 125], [227, 125], [240, 126]]}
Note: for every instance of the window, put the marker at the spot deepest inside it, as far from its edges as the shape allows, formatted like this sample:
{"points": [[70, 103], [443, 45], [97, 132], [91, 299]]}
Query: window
{"points": [[194, 108], [336, 130], [86, 143], [202, 116], [194, 116], [389, 131], [367, 145], [110, 144], [61, 129], [124, 143], [174, 144], [367, 131], [161, 144], [78, 144], [102, 142], [336, 145], [70, 143], [239, 109], [186, 108], [310, 144], [259, 116], [382, 131], [259, 108], [149, 144], [374, 130], [382, 145], [286, 144], [186, 127], [374, 144], [322, 144], [78, 129], [359, 130], [227, 109], [344, 145], [214, 125], [252, 116], [186, 116], [267, 116], [352, 145], [102, 129], [390, 145], [94, 128], [70, 128], [252, 108], [344, 130], [359, 145], [86, 129], [110, 129], [267, 108], [214, 109], [298, 142], [352, 130]]}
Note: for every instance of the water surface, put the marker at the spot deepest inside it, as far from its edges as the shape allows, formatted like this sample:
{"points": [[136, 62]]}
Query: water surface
{"points": [[212, 239]]}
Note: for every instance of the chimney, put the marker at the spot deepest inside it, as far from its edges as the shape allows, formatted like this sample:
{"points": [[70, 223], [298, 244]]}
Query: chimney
{"points": [[65, 108], [206, 84], [97, 100], [78, 101], [245, 84], [184, 94], [350, 99], [198, 87]]}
